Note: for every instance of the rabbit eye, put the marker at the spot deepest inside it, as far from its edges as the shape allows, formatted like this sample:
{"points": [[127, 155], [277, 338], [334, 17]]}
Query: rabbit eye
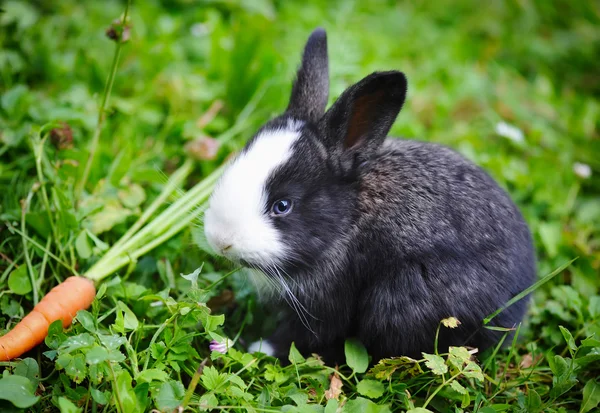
{"points": [[282, 207]]}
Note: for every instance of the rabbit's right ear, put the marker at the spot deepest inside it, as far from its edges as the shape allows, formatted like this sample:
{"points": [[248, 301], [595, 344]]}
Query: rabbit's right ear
{"points": [[310, 91], [358, 122]]}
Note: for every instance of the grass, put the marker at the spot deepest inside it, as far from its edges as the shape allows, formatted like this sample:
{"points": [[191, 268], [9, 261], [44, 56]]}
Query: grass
{"points": [[512, 85]]}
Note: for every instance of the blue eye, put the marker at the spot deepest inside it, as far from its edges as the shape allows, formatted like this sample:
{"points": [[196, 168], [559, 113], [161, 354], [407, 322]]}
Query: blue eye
{"points": [[282, 207]]}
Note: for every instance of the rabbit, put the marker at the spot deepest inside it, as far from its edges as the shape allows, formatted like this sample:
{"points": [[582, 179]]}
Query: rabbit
{"points": [[368, 236]]}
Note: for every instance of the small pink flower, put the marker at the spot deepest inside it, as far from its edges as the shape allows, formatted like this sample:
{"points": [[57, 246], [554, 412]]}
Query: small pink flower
{"points": [[220, 347]]}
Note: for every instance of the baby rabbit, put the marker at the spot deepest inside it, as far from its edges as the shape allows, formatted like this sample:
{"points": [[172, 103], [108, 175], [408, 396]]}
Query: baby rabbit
{"points": [[368, 237]]}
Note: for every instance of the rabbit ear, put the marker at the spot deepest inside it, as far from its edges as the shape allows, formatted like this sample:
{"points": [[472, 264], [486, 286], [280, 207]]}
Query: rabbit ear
{"points": [[360, 119], [311, 88]]}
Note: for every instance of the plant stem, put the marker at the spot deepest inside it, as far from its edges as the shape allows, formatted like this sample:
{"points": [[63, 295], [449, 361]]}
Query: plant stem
{"points": [[38, 152], [193, 383], [176, 179], [101, 115], [116, 388], [155, 336], [440, 387], [24, 208]]}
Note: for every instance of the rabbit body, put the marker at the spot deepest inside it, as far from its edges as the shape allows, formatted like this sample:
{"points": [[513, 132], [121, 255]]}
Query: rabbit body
{"points": [[367, 236]]}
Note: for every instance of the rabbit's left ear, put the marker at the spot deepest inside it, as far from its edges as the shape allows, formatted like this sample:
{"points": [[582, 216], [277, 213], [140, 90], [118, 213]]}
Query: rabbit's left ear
{"points": [[358, 122], [311, 88]]}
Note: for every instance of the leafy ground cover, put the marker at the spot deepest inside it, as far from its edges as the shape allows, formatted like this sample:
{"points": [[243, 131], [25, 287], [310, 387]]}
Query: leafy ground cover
{"points": [[513, 85]]}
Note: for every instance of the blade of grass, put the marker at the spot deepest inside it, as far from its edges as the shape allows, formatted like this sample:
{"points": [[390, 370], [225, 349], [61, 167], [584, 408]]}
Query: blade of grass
{"points": [[34, 285], [528, 290]]}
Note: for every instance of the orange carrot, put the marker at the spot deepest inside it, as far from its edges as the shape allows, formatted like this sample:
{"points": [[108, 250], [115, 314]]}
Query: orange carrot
{"points": [[61, 303]]}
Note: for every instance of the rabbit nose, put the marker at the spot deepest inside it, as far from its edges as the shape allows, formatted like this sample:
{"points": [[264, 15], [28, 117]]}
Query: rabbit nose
{"points": [[223, 245]]}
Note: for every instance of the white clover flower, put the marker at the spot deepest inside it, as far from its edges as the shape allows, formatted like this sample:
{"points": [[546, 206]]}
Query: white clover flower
{"points": [[199, 29], [510, 132], [582, 170]]}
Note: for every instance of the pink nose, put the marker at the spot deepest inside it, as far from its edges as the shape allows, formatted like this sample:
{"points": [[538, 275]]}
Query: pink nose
{"points": [[222, 245]]}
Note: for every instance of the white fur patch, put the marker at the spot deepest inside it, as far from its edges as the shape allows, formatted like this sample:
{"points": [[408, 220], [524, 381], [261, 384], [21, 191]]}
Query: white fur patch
{"points": [[262, 346], [236, 215]]}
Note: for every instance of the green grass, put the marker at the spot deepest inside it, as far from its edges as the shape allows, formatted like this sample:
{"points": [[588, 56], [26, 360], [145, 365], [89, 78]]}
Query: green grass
{"points": [[192, 70]]}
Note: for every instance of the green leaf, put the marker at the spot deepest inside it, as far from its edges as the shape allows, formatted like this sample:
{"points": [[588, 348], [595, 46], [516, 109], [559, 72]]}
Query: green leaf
{"points": [[74, 366], [435, 363], [112, 342], [212, 322], [331, 406], [299, 396], [466, 400], [451, 322], [14, 99], [590, 342], [55, 336], [591, 396], [458, 356], [67, 406], [550, 234], [405, 366], [141, 391], [564, 376], [130, 321], [473, 371], [39, 222], [19, 281], [169, 395], [213, 380], [82, 245], [150, 375], [86, 320], [99, 396], [79, 341], [112, 213], [569, 339], [96, 355], [594, 306], [18, 390], [126, 395], [534, 401], [419, 410], [370, 388], [208, 401], [29, 368], [295, 357], [458, 387], [133, 196], [362, 405], [10, 307], [120, 166], [193, 277], [357, 357]]}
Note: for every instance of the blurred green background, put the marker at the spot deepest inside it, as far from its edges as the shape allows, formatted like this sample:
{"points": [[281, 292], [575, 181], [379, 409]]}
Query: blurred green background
{"points": [[514, 85]]}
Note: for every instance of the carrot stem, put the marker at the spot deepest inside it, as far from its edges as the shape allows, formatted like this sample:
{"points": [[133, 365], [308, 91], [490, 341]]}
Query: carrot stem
{"points": [[176, 179], [168, 223]]}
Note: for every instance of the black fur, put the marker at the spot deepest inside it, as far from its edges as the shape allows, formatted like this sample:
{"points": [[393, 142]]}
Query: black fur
{"points": [[388, 236], [311, 88]]}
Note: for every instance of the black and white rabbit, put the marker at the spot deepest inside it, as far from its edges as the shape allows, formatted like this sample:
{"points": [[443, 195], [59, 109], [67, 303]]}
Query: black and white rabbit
{"points": [[368, 237]]}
